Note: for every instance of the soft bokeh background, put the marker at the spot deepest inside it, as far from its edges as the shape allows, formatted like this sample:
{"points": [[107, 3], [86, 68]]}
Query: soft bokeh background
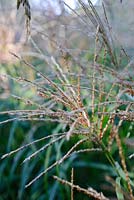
{"points": [[53, 26]]}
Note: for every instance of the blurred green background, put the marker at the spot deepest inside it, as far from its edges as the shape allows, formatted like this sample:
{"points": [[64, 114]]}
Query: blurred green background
{"points": [[90, 169]]}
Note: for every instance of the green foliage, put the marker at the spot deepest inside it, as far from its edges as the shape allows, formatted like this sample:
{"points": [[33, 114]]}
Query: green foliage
{"points": [[60, 118]]}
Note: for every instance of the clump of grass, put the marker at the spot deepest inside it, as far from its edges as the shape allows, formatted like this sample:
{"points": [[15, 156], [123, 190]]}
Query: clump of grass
{"points": [[92, 101]]}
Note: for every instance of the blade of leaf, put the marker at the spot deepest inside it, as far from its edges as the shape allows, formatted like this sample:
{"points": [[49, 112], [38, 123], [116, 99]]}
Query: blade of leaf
{"points": [[118, 189]]}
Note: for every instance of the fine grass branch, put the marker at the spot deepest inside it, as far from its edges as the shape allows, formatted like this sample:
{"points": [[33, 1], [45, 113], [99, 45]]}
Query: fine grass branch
{"points": [[91, 101]]}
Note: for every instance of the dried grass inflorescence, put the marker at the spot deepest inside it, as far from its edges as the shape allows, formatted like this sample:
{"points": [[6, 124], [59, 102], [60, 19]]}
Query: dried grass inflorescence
{"points": [[26, 6], [90, 98]]}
